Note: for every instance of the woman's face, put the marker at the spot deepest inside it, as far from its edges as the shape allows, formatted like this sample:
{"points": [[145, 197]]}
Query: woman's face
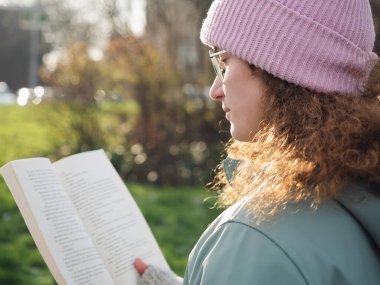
{"points": [[241, 95]]}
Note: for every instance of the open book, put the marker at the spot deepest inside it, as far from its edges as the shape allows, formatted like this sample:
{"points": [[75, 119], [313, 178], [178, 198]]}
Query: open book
{"points": [[82, 218]]}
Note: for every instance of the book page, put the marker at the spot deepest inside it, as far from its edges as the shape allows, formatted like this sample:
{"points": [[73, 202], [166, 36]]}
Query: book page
{"points": [[54, 224], [110, 214]]}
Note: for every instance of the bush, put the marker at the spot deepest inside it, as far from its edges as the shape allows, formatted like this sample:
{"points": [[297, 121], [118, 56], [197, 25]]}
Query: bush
{"points": [[166, 134]]}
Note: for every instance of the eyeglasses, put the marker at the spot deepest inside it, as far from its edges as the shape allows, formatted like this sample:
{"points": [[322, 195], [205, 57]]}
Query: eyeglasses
{"points": [[217, 63]]}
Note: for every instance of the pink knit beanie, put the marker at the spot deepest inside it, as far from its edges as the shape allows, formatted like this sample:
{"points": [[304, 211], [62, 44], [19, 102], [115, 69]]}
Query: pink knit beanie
{"points": [[323, 45]]}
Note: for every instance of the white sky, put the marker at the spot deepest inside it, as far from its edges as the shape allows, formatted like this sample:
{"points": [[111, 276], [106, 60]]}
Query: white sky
{"points": [[137, 18], [16, 2]]}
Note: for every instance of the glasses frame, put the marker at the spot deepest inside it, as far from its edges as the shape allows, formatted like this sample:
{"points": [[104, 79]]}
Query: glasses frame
{"points": [[216, 63]]}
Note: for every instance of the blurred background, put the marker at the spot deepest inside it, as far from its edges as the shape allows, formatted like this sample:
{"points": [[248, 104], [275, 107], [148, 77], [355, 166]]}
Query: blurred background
{"points": [[128, 76]]}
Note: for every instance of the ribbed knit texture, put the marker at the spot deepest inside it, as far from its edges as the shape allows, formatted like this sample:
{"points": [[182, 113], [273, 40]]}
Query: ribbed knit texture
{"points": [[158, 276], [323, 45]]}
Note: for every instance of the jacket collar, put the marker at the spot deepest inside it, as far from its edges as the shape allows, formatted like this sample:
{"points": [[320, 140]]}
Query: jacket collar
{"points": [[229, 167]]}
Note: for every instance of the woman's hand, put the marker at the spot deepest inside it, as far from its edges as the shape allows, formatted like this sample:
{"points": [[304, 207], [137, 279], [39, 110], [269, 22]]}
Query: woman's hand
{"points": [[140, 266], [151, 275]]}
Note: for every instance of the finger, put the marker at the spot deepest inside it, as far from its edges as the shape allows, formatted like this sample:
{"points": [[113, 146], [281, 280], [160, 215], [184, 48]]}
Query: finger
{"points": [[140, 266]]}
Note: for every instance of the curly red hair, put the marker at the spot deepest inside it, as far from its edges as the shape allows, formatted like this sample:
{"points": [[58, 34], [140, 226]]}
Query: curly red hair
{"points": [[309, 145]]}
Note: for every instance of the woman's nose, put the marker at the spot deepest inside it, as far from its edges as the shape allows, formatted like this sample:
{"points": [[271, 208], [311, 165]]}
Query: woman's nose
{"points": [[216, 91]]}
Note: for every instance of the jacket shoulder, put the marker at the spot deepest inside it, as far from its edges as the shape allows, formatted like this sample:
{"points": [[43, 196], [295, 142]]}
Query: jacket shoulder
{"points": [[236, 253], [300, 246], [233, 251]]}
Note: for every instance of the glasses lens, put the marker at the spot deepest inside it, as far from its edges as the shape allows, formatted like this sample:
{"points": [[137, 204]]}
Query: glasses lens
{"points": [[216, 64]]}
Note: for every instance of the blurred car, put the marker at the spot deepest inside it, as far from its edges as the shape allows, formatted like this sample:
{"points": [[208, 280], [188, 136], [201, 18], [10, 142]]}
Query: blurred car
{"points": [[6, 94], [37, 95]]}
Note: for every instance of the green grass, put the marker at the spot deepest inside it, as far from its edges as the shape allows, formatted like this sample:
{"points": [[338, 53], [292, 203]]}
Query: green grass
{"points": [[22, 134], [177, 217]]}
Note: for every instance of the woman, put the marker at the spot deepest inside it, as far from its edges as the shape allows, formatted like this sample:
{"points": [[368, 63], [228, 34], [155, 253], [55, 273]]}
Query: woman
{"points": [[299, 83]]}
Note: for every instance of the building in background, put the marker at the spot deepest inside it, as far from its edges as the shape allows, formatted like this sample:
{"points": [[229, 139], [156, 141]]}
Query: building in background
{"points": [[22, 46]]}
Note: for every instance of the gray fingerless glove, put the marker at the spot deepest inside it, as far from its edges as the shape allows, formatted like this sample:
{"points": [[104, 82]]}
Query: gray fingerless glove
{"points": [[158, 276]]}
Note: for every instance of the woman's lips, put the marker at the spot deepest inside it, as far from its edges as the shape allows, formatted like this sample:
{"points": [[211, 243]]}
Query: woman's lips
{"points": [[226, 110]]}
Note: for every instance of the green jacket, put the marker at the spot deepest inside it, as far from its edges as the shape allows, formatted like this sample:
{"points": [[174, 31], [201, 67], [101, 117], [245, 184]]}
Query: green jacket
{"points": [[339, 243]]}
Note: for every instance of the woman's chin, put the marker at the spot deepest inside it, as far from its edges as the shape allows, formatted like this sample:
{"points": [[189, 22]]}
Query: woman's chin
{"points": [[242, 135], [239, 136]]}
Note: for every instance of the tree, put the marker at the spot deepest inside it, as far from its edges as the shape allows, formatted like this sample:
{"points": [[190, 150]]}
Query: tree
{"points": [[173, 27], [167, 126], [77, 77], [136, 70], [69, 23], [170, 134]]}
